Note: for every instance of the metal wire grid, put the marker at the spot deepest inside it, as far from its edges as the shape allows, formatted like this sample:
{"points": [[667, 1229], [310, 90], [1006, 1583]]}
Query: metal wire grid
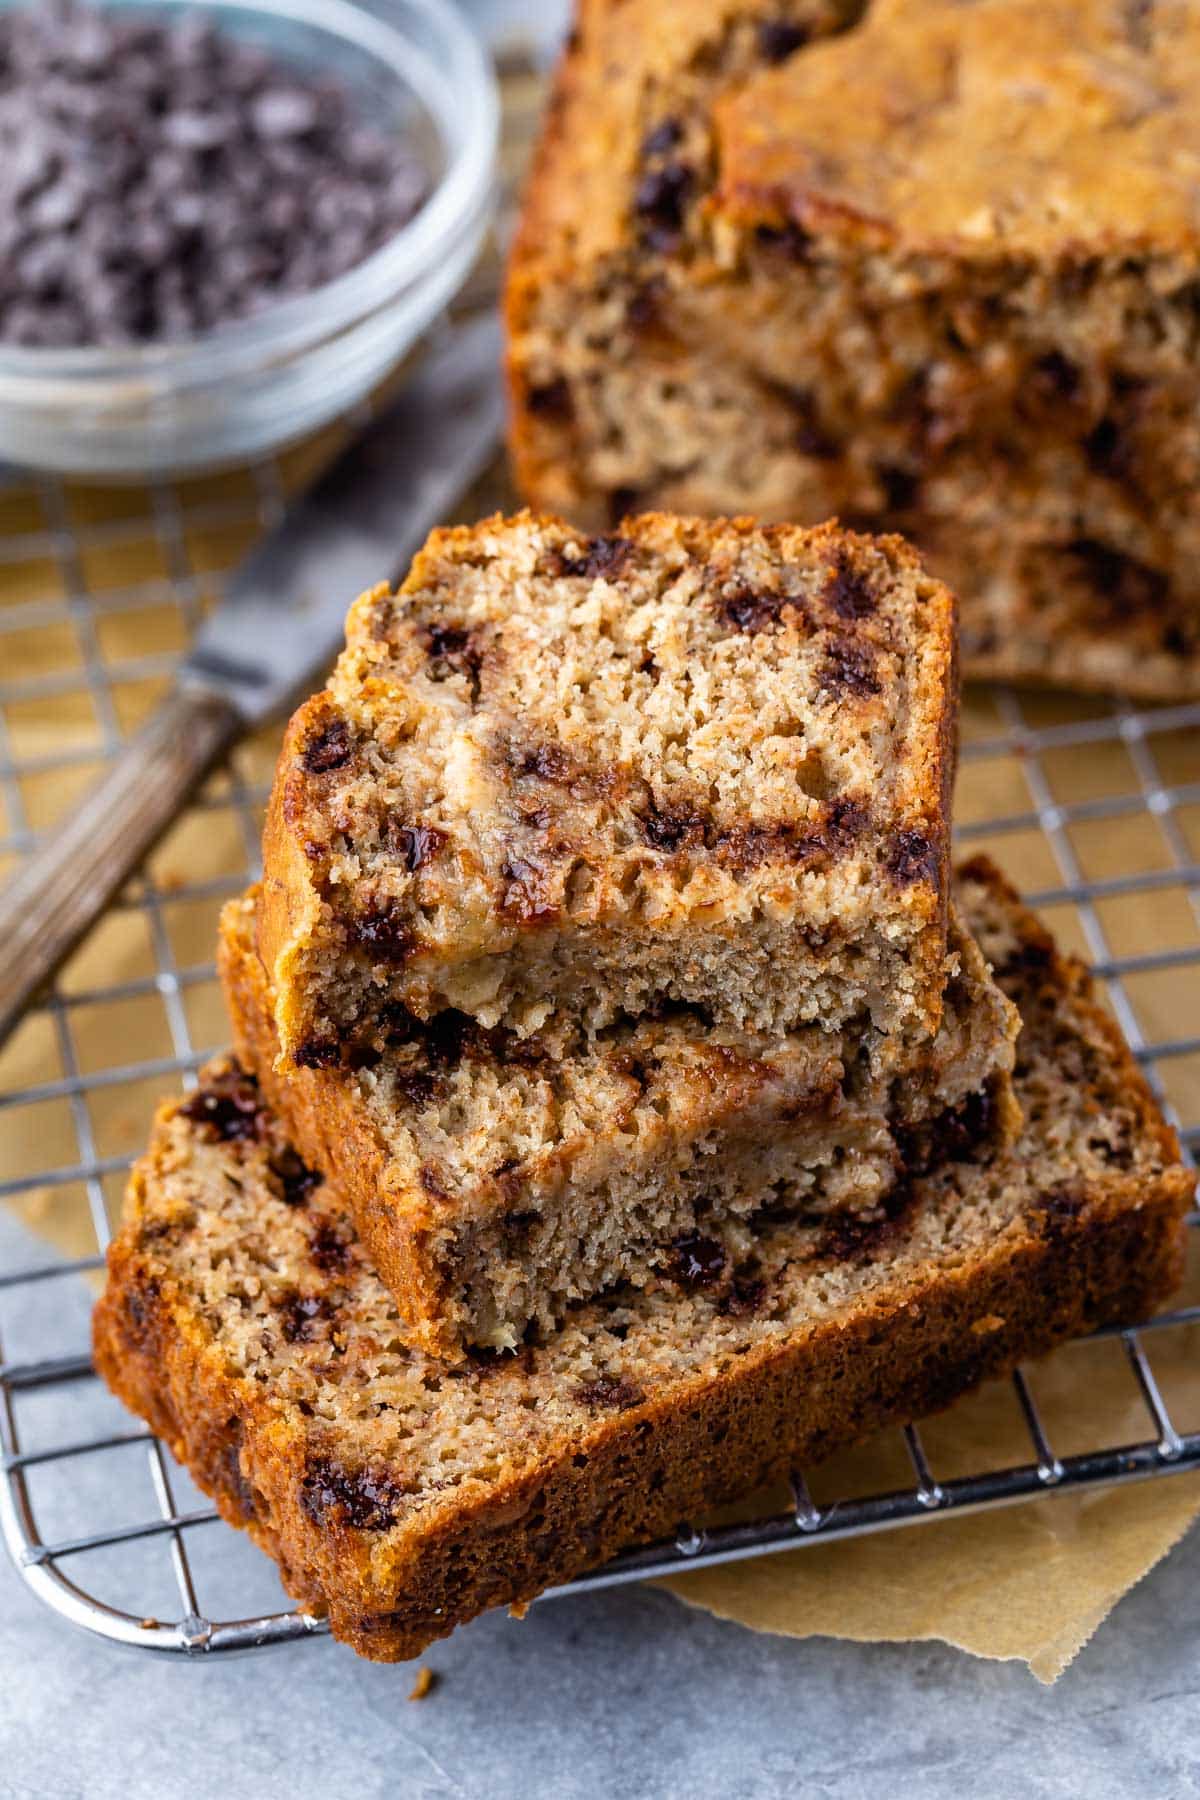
{"points": [[55, 1566]]}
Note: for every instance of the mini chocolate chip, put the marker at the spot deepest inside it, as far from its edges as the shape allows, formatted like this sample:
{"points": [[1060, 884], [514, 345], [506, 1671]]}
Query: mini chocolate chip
{"points": [[749, 610], [811, 436], [848, 590], [602, 557], [230, 1107], [609, 1391], [1054, 376], [670, 831], [849, 669], [780, 38], [551, 400], [911, 858], [697, 1262], [659, 201], [622, 501], [296, 1180], [952, 1137], [328, 1248], [416, 845], [1106, 448], [318, 1053], [416, 1086], [901, 487], [545, 762], [331, 749], [385, 935], [364, 1499], [745, 1297], [662, 137], [790, 240], [1129, 586], [845, 820], [453, 650], [300, 1315]]}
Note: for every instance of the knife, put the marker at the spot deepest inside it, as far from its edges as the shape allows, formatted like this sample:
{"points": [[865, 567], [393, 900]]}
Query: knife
{"points": [[273, 635]]}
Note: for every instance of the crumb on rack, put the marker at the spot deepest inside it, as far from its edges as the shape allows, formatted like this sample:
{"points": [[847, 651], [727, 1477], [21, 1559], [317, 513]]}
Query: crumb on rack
{"points": [[424, 1685]]}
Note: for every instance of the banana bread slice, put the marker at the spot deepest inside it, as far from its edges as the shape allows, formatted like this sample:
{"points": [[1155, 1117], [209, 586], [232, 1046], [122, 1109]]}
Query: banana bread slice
{"points": [[243, 1320], [934, 273], [494, 1180], [696, 761]]}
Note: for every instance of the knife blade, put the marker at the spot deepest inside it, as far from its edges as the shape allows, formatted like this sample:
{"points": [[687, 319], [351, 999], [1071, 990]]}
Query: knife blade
{"points": [[273, 634]]}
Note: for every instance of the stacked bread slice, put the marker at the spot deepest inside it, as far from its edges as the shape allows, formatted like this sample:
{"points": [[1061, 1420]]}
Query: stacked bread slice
{"points": [[623, 1105]]}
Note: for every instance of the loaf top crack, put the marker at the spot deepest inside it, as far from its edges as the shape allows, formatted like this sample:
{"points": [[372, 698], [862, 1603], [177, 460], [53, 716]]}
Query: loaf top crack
{"points": [[700, 761], [990, 127]]}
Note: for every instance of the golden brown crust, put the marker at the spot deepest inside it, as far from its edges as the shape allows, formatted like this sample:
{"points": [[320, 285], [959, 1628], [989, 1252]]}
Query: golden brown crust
{"points": [[625, 1462], [1109, 1261]]}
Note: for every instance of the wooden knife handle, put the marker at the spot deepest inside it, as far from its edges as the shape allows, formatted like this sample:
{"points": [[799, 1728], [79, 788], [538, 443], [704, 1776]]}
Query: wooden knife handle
{"points": [[68, 881]]}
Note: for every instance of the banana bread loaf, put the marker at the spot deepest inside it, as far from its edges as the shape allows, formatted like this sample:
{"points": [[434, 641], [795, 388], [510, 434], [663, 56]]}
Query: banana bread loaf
{"points": [[936, 272], [493, 1180], [244, 1322], [696, 762]]}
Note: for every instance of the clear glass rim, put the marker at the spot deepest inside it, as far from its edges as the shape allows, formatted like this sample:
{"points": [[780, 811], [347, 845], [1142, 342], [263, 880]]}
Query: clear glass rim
{"points": [[461, 88]]}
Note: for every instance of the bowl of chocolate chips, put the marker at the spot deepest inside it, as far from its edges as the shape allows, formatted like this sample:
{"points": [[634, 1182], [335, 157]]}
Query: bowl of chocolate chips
{"points": [[220, 228]]}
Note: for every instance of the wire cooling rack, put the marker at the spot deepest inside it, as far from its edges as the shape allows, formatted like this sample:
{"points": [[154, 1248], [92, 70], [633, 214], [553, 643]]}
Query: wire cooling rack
{"points": [[1095, 806], [1092, 807]]}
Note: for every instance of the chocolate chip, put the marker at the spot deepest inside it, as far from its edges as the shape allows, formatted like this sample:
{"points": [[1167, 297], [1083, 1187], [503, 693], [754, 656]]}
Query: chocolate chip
{"points": [[849, 669], [416, 1086], [551, 400], [415, 845], [452, 650], [165, 177], [546, 762], [610, 1391], [1054, 377], [790, 240], [659, 202], [230, 1107], [670, 831], [697, 1262], [750, 610], [662, 137], [911, 858], [601, 557], [385, 935], [300, 1315], [952, 1137], [318, 1053], [1129, 586], [811, 436], [901, 487], [328, 1248], [745, 1297], [296, 1181], [364, 1499], [780, 38], [622, 501], [848, 591], [331, 749]]}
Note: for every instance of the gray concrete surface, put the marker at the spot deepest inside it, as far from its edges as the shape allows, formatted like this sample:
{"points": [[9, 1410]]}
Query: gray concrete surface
{"points": [[623, 1694]]}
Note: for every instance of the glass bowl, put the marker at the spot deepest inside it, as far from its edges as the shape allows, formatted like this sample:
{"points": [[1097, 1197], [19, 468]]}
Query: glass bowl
{"points": [[258, 383]]}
